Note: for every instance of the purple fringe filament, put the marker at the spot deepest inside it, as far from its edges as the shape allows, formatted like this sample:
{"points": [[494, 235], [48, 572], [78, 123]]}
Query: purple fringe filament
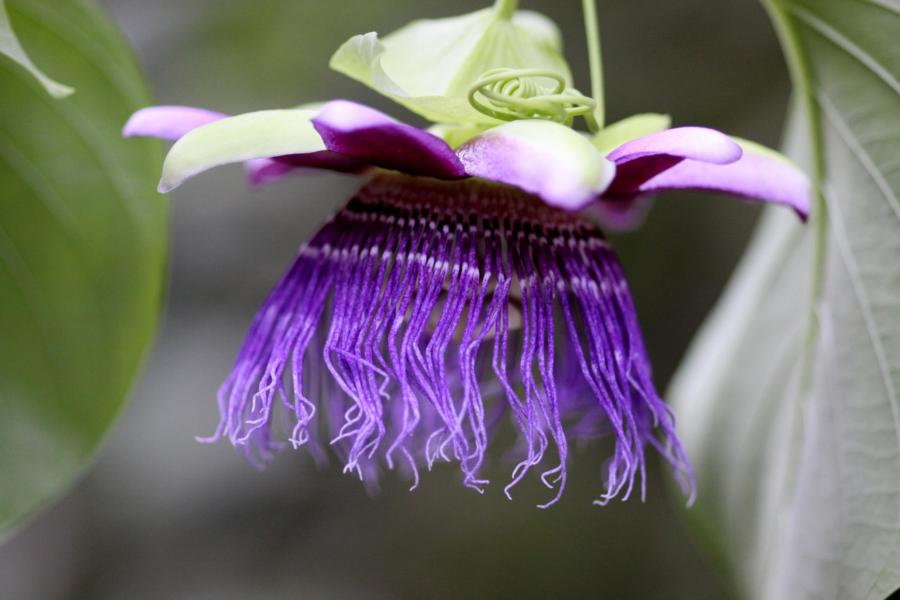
{"points": [[424, 312]]}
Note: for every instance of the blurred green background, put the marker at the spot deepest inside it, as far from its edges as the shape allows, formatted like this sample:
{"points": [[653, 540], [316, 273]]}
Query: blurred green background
{"points": [[161, 516]]}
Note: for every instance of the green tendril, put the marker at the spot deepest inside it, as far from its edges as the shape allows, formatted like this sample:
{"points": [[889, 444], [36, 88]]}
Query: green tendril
{"points": [[512, 94], [595, 61]]}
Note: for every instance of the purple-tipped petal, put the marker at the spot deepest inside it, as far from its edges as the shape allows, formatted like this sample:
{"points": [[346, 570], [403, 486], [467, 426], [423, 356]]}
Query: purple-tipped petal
{"points": [[250, 136], [373, 138], [173, 122], [646, 157], [547, 159], [697, 143], [168, 122], [755, 176]]}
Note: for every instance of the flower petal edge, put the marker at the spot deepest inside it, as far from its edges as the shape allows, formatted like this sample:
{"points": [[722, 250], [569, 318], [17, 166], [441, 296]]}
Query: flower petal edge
{"points": [[168, 122], [761, 174], [255, 135], [547, 159]]}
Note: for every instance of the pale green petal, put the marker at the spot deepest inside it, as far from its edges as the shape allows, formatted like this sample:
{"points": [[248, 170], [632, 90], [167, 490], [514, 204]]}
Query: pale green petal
{"points": [[541, 157], [456, 135], [10, 47], [611, 137], [429, 65], [236, 139], [312, 106], [543, 30], [758, 149]]}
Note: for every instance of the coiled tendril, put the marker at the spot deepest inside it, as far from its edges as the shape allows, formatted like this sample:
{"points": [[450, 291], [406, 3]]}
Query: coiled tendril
{"points": [[512, 94]]}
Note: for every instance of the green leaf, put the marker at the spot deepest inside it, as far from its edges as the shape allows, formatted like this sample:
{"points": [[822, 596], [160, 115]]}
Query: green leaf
{"points": [[456, 135], [10, 46], [788, 401], [429, 65], [82, 248]]}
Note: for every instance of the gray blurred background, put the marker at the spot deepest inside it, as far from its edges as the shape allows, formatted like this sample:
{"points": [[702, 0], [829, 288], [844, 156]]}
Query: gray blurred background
{"points": [[160, 516]]}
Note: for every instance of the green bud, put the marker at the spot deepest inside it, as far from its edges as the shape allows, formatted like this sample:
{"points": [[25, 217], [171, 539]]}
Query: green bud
{"points": [[429, 66]]}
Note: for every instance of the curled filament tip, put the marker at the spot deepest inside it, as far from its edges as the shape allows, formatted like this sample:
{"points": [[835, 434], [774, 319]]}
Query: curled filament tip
{"points": [[512, 94]]}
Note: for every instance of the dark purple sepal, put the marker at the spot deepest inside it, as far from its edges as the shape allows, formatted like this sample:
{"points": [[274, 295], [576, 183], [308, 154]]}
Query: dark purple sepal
{"points": [[373, 138]]}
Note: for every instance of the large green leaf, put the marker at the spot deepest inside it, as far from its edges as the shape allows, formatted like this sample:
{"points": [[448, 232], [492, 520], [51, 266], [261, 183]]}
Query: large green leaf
{"points": [[788, 401], [10, 46], [82, 241]]}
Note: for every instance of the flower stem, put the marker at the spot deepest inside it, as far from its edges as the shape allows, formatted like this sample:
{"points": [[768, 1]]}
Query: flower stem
{"points": [[594, 58], [506, 8]]}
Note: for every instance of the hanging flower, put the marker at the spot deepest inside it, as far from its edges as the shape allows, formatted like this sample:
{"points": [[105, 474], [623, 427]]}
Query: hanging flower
{"points": [[466, 280]]}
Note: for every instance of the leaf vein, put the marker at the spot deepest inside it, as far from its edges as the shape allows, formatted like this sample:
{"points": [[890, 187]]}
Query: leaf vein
{"points": [[888, 5], [838, 39], [843, 246], [846, 134]]}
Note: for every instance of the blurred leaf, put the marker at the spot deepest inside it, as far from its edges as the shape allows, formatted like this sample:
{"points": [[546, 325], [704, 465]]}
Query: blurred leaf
{"points": [[788, 400], [10, 46], [81, 249]]}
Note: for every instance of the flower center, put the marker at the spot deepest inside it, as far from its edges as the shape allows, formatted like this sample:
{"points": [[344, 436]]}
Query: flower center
{"points": [[396, 323]]}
